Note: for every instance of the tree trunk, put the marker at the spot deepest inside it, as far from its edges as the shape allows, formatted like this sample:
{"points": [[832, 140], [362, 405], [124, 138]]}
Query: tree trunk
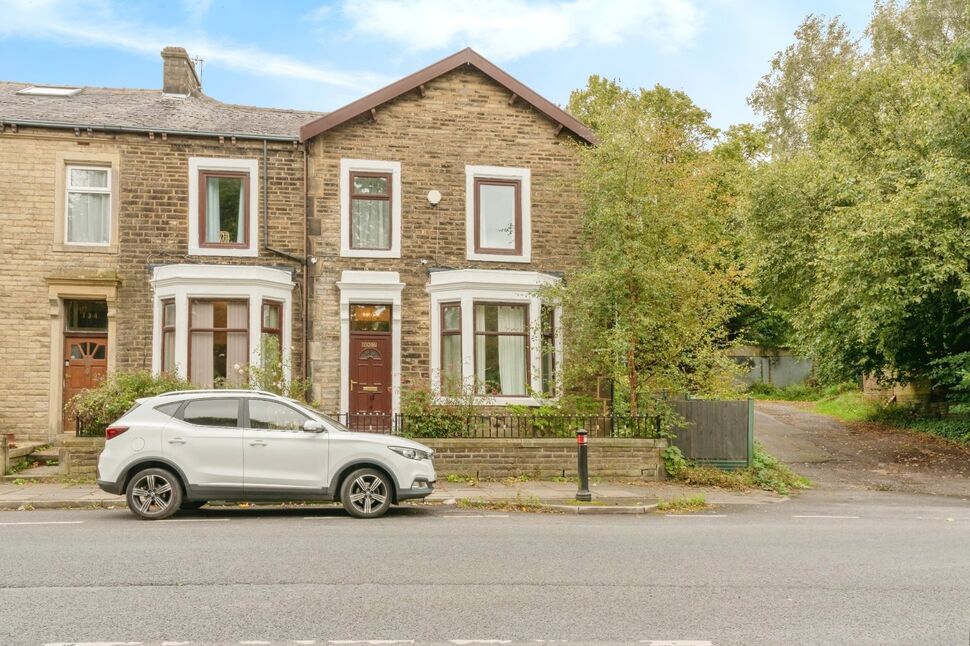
{"points": [[632, 371]]}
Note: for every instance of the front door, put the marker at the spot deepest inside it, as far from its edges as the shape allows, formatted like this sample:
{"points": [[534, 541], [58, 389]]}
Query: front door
{"points": [[85, 365], [370, 368], [85, 351]]}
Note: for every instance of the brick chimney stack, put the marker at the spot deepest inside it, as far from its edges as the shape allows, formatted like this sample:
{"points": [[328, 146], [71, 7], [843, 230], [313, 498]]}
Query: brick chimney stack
{"points": [[178, 72]]}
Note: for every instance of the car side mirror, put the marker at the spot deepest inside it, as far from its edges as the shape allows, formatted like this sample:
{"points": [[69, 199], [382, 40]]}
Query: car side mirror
{"points": [[313, 426]]}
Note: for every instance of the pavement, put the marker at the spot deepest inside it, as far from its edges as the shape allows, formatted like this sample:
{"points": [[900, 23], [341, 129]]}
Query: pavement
{"points": [[608, 497]]}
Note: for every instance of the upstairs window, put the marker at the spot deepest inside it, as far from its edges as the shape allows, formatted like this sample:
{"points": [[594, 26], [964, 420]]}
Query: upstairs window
{"points": [[223, 209], [370, 211], [88, 207], [498, 216], [223, 213]]}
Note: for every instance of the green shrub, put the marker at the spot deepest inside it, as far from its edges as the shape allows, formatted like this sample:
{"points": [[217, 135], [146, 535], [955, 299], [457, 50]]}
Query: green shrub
{"points": [[674, 461], [799, 392], [98, 407], [269, 375], [765, 472], [425, 416]]}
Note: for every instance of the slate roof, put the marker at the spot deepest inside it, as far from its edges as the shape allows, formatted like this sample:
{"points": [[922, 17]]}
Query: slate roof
{"points": [[123, 108]]}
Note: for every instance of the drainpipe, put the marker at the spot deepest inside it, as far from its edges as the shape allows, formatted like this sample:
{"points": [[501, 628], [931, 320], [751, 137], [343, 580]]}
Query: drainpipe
{"points": [[304, 261]]}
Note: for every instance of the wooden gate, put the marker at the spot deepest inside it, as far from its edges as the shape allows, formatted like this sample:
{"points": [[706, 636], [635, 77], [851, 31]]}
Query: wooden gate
{"points": [[716, 433]]}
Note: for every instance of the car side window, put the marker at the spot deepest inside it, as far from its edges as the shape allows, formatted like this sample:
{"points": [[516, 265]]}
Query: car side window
{"points": [[168, 409], [212, 412], [274, 416]]}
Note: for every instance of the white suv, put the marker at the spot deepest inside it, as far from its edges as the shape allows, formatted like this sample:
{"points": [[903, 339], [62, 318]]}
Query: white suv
{"points": [[182, 449]]}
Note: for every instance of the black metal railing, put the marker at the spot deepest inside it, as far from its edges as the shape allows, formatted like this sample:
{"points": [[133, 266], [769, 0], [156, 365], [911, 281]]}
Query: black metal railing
{"points": [[497, 425]]}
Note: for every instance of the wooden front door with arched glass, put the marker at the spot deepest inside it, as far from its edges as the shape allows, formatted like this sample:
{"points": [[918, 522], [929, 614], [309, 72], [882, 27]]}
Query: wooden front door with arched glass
{"points": [[370, 368], [85, 350]]}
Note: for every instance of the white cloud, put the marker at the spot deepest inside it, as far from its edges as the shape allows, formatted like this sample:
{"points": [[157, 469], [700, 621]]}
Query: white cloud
{"points": [[95, 23], [509, 29]]}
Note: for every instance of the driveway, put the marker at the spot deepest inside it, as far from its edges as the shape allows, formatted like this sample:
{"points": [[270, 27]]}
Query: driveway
{"points": [[861, 456]]}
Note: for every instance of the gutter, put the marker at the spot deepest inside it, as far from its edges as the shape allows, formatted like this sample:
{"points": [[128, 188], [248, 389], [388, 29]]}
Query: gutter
{"points": [[131, 129]]}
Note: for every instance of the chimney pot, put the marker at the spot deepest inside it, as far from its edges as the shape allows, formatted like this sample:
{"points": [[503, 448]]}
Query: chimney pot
{"points": [[178, 72]]}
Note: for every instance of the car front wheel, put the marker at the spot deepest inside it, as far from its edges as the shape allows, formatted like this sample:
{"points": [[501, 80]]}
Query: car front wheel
{"points": [[366, 493], [154, 494]]}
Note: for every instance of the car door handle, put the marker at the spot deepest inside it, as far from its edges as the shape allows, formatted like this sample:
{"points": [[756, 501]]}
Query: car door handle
{"points": [[176, 440], [257, 443]]}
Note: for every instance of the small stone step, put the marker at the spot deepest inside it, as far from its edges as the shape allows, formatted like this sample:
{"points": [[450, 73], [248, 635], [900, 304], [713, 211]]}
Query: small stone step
{"points": [[43, 456], [36, 473]]}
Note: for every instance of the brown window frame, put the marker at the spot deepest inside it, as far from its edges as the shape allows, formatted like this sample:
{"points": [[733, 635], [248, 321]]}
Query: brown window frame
{"points": [[192, 301], [445, 332], [526, 334], [488, 181], [388, 177], [204, 174], [277, 332], [167, 328]]}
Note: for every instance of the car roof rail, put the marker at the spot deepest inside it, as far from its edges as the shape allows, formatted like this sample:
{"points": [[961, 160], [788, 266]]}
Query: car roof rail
{"points": [[217, 390]]}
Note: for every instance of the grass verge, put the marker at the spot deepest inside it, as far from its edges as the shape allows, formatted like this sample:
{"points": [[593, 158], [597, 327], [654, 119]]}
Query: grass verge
{"points": [[519, 503], [855, 407], [683, 504], [766, 472]]}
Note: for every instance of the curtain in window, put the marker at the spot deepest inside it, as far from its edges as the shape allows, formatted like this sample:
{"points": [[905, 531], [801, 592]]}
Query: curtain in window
{"points": [[213, 221], [370, 224], [87, 217], [201, 362], [214, 210], [511, 350], [236, 342]]}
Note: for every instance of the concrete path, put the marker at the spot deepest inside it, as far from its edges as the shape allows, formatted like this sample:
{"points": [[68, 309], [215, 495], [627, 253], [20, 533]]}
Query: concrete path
{"points": [[861, 456]]}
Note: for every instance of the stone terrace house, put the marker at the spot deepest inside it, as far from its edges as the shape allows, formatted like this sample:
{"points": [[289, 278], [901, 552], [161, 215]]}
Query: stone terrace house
{"points": [[142, 229], [407, 234], [440, 205]]}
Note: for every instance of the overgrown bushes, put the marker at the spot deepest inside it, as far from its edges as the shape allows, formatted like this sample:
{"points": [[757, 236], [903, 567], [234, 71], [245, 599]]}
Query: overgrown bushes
{"points": [[766, 472], [97, 407]]}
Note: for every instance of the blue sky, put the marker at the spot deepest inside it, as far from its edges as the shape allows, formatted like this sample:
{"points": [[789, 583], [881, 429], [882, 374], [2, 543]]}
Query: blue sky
{"points": [[321, 55]]}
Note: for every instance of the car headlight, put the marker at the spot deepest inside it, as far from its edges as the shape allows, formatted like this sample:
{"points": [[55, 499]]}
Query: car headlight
{"points": [[411, 454]]}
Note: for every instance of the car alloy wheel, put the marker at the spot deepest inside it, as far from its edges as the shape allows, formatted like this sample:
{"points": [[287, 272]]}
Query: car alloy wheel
{"points": [[154, 494], [366, 493]]}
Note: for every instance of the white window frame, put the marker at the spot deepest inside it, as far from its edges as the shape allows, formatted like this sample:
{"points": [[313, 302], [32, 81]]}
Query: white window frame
{"points": [[347, 166], [370, 288], [68, 189], [470, 286], [216, 164], [184, 283], [524, 177]]}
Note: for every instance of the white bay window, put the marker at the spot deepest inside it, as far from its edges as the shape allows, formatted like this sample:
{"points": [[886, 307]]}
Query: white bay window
{"points": [[210, 320], [486, 335]]}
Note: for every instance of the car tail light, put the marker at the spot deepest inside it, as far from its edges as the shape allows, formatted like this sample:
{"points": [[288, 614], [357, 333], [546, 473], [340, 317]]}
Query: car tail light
{"points": [[114, 431]]}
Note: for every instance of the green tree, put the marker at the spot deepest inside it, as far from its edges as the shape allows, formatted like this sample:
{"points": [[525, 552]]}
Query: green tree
{"points": [[659, 277], [861, 236]]}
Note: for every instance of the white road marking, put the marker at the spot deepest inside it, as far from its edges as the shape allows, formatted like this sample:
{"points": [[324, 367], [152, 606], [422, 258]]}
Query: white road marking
{"points": [[480, 641], [820, 516], [176, 643], [51, 522], [256, 643], [306, 642], [694, 516], [200, 520], [371, 641], [94, 644], [675, 642]]}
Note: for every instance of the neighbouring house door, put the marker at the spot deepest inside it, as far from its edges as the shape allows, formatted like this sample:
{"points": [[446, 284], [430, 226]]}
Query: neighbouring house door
{"points": [[85, 365], [85, 350], [370, 368]]}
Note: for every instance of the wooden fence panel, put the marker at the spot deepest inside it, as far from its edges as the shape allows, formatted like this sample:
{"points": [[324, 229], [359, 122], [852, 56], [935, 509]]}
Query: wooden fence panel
{"points": [[718, 433]]}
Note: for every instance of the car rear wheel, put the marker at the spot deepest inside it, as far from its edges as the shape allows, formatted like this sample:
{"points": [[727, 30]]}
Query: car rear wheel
{"points": [[154, 494], [366, 493]]}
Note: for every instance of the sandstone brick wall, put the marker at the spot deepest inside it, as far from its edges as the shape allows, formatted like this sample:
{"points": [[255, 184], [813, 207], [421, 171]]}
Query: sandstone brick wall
{"points": [[499, 458], [153, 230], [464, 118], [79, 455]]}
